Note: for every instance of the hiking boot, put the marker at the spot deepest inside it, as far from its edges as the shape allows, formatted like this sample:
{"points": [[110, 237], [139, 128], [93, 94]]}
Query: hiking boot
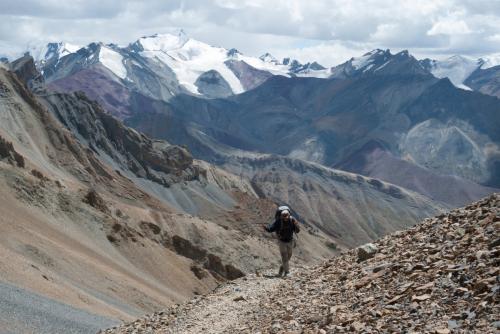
{"points": [[281, 271], [286, 273]]}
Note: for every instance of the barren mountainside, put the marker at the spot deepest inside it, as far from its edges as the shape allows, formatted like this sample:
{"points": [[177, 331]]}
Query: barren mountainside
{"points": [[112, 223]]}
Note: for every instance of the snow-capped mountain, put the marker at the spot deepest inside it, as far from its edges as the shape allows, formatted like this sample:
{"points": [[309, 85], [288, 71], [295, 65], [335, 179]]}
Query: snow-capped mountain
{"points": [[43, 53], [379, 62], [162, 66], [482, 74], [196, 67], [456, 68], [459, 68]]}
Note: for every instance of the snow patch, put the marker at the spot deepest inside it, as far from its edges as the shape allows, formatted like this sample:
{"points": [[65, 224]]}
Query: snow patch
{"points": [[113, 61], [455, 68], [360, 62], [47, 51], [383, 65], [68, 48], [322, 74], [163, 42], [367, 68], [189, 58], [490, 61], [194, 58]]}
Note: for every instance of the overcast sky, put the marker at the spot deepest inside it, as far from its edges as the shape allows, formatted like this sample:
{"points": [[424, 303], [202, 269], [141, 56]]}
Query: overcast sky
{"points": [[329, 31]]}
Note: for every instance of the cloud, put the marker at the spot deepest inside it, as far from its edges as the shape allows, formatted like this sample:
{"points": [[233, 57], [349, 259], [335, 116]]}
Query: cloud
{"points": [[449, 26], [325, 29]]}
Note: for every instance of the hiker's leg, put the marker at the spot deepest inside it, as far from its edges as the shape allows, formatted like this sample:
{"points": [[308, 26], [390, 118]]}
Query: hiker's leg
{"points": [[284, 255], [289, 251]]}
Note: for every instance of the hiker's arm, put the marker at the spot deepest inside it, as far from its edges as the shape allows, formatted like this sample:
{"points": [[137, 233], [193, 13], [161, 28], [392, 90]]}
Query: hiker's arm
{"points": [[271, 227], [296, 226]]}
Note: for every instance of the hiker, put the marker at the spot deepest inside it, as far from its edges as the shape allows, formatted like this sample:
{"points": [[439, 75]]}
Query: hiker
{"points": [[285, 226]]}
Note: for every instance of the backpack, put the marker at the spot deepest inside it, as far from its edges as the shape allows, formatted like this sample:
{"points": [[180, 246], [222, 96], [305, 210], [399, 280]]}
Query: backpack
{"points": [[286, 230]]}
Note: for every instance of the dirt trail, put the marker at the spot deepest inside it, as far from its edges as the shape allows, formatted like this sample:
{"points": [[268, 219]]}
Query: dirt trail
{"points": [[234, 307]]}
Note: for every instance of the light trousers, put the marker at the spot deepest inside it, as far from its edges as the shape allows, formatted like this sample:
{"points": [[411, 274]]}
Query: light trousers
{"points": [[286, 250]]}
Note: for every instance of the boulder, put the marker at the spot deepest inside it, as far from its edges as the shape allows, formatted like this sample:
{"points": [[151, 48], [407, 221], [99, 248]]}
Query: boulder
{"points": [[366, 252]]}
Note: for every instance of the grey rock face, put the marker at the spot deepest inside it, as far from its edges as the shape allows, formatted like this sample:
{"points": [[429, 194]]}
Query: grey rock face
{"points": [[212, 85], [155, 160], [374, 160], [485, 81], [249, 77], [454, 148], [25, 69]]}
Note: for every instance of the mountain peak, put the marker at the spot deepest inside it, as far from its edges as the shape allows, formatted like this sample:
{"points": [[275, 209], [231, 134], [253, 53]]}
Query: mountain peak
{"points": [[162, 42], [490, 61], [375, 52], [233, 52], [45, 52], [268, 58]]}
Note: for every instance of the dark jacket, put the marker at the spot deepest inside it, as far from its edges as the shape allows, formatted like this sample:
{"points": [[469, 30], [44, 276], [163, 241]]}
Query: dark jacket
{"points": [[284, 229]]}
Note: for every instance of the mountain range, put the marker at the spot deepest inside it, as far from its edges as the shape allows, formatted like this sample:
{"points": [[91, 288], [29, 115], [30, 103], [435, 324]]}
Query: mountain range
{"points": [[152, 167], [210, 71], [102, 220], [162, 84]]}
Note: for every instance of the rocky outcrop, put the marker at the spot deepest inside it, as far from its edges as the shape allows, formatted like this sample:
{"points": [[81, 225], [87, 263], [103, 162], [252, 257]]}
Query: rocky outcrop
{"points": [[367, 251], [439, 277], [25, 69], [8, 152], [152, 159], [486, 81], [212, 85], [204, 262], [95, 200], [249, 76]]}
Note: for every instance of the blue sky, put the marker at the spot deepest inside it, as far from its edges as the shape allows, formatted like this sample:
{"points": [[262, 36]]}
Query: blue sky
{"points": [[329, 31]]}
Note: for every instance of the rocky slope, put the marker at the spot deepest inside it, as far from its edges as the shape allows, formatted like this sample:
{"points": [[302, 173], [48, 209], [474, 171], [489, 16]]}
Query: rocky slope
{"points": [[351, 208], [440, 276], [374, 160], [101, 218], [486, 81]]}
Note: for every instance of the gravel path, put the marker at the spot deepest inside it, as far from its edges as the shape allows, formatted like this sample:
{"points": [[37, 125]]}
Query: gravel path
{"points": [[232, 308], [22, 311], [226, 311]]}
